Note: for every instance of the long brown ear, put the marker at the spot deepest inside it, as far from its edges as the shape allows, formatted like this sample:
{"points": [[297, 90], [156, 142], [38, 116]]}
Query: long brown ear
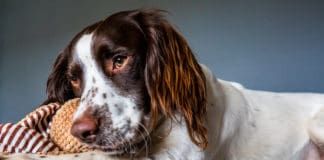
{"points": [[58, 87], [174, 79]]}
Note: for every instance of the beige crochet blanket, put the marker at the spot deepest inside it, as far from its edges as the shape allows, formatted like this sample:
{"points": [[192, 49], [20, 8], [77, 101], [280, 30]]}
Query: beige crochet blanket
{"points": [[29, 139]]}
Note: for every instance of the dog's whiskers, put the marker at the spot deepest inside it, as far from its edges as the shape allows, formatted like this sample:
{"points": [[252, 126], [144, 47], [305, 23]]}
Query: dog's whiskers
{"points": [[146, 138]]}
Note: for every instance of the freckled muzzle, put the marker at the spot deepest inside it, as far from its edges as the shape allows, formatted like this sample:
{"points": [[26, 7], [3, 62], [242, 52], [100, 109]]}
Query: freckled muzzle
{"points": [[111, 108], [94, 127]]}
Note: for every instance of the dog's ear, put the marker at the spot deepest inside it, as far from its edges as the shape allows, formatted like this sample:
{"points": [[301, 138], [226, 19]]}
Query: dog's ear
{"points": [[58, 86], [174, 79]]}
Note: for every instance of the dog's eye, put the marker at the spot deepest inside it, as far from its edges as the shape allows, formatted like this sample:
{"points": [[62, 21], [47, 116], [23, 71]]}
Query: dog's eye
{"points": [[75, 83], [73, 78], [118, 61]]}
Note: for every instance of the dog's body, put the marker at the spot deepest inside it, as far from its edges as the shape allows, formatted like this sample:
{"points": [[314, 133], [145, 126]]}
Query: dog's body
{"points": [[134, 69], [255, 125], [245, 124]]}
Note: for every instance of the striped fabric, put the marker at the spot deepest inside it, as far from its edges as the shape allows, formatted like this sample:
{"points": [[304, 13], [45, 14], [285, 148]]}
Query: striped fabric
{"points": [[31, 134]]}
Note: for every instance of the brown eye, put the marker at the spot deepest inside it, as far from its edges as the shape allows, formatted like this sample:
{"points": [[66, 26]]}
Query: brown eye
{"points": [[75, 82], [73, 79], [118, 61]]}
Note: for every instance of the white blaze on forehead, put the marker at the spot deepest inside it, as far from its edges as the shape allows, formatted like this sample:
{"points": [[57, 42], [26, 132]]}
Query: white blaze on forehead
{"points": [[96, 84], [82, 52]]}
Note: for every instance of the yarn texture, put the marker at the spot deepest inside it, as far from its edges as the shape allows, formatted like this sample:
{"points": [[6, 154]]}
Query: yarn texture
{"points": [[61, 126]]}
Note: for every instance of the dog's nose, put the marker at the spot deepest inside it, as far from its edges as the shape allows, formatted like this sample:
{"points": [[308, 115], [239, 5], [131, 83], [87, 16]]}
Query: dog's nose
{"points": [[85, 128]]}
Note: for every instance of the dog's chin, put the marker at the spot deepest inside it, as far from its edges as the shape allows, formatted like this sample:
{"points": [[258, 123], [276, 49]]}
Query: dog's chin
{"points": [[126, 148], [111, 151]]}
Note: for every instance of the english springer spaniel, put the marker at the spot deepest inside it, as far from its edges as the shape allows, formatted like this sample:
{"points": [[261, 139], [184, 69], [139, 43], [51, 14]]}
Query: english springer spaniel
{"points": [[143, 93]]}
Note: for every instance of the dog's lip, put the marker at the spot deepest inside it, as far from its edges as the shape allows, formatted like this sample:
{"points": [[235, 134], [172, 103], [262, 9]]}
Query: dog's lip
{"points": [[109, 149], [121, 149]]}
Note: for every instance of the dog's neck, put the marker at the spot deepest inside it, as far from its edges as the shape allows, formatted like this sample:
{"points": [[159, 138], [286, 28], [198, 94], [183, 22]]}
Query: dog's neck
{"points": [[168, 131], [225, 101]]}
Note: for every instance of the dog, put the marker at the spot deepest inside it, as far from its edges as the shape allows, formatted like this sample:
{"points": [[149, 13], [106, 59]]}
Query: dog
{"points": [[144, 94]]}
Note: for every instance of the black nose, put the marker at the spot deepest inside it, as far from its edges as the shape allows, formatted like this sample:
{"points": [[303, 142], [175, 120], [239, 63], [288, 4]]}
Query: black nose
{"points": [[85, 128]]}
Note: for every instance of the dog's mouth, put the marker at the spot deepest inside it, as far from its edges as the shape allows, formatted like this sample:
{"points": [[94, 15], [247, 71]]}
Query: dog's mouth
{"points": [[139, 144]]}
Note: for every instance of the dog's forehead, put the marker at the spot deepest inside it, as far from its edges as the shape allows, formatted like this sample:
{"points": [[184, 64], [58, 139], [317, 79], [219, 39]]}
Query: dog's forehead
{"points": [[82, 49], [115, 34]]}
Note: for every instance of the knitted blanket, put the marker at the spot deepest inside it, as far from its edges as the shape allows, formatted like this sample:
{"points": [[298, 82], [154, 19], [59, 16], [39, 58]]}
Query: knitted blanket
{"points": [[31, 134], [30, 139]]}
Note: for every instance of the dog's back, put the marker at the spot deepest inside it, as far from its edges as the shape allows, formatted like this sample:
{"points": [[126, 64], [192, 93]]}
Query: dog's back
{"points": [[262, 125]]}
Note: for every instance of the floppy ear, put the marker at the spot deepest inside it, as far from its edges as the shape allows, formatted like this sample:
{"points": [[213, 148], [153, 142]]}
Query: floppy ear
{"points": [[58, 87], [174, 79]]}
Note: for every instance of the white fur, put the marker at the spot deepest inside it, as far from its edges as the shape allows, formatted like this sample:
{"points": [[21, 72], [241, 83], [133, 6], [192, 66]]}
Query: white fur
{"points": [[125, 109]]}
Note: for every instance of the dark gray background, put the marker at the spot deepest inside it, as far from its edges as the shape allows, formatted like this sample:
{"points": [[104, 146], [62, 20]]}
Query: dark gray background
{"points": [[275, 45]]}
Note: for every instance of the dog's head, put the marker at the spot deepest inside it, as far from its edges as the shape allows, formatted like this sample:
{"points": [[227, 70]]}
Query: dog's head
{"points": [[129, 70]]}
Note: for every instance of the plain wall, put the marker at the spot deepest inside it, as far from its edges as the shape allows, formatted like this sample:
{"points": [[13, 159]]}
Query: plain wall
{"points": [[264, 44]]}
